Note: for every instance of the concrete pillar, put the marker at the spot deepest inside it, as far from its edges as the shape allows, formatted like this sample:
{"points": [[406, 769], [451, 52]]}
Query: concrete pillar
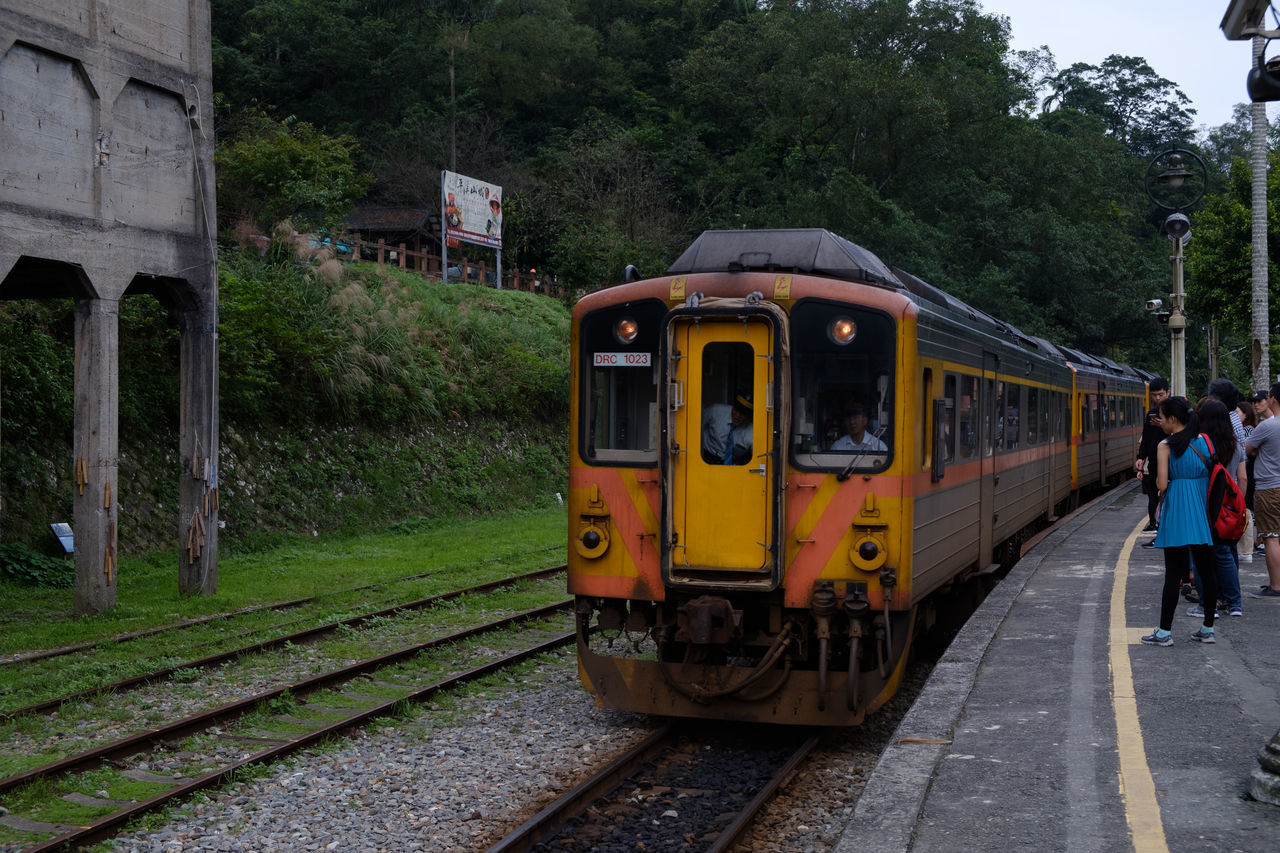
{"points": [[95, 444], [198, 442]]}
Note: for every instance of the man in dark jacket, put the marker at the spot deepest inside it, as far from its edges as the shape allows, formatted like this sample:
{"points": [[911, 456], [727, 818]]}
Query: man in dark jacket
{"points": [[1145, 465]]}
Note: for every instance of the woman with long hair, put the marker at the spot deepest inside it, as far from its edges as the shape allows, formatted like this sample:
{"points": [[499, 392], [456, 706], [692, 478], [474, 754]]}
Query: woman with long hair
{"points": [[1183, 480], [1215, 424]]}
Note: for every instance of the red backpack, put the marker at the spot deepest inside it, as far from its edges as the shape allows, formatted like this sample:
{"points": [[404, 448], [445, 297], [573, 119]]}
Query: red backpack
{"points": [[1225, 500]]}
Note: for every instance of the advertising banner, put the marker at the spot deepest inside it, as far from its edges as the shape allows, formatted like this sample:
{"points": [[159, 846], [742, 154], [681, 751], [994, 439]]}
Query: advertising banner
{"points": [[472, 210]]}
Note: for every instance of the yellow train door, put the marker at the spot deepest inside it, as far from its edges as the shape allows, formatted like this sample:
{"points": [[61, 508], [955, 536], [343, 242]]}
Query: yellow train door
{"points": [[722, 463]]}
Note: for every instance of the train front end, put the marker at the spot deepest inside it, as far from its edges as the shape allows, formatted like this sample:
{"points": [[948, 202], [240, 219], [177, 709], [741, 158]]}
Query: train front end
{"points": [[738, 510]]}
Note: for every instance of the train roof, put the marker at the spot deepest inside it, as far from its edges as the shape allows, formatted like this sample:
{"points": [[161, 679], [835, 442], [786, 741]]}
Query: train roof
{"points": [[804, 250], [817, 251]]}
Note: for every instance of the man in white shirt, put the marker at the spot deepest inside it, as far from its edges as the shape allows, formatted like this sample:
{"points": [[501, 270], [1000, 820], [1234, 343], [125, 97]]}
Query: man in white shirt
{"points": [[726, 432], [1264, 446], [856, 438]]}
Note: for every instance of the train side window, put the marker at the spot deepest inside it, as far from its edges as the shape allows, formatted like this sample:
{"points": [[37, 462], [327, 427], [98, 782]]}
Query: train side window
{"points": [[1012, 416], [949, 417], [968, 409], [1033, 416], [992, 415], [619, 377]]}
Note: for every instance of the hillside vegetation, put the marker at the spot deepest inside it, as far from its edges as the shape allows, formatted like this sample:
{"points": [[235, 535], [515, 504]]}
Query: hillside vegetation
{"points": [[352, 396]]}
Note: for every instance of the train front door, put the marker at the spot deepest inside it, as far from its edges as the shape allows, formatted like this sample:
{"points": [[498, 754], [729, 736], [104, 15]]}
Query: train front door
{"points": [[721, 462]]}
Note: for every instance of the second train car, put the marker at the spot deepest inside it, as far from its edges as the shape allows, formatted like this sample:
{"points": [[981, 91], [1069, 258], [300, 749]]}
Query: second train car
{"points": [[889, 442]]}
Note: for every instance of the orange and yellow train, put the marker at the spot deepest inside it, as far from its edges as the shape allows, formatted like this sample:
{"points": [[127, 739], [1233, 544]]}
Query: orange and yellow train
{"points": [[889, 444]]}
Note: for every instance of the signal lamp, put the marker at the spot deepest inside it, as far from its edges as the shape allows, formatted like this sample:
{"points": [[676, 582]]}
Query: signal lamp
{"points": [[842, 330], [625, 330]]}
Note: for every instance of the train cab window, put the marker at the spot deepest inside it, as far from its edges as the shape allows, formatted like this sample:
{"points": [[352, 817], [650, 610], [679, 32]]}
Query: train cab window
{"points": [[619, 370], [842, 380]]}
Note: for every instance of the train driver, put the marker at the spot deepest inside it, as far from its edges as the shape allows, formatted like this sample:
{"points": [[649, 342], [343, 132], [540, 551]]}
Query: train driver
{"points": [[726, 432], [856, 437]]}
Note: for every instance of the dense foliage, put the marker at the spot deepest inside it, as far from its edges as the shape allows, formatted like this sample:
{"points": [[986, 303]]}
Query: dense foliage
{"points": [[621, 129]]}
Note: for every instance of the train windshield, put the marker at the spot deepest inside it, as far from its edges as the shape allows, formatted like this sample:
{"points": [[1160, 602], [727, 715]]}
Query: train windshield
{"points": [[842, 383], [619, 359]]}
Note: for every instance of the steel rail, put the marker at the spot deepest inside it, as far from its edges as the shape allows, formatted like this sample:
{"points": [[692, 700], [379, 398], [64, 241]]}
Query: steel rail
{"points": [[107, 826], [548, 822], [296, 638], [124, 747], [44, 654], [740, 823]]}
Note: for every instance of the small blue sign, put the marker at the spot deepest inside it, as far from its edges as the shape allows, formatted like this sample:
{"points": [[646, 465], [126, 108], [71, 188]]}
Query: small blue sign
{"points": [[65, 537]]}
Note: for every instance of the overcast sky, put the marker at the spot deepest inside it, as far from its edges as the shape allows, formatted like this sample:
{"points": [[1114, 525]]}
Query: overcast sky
{"points": [[1179, 39]]}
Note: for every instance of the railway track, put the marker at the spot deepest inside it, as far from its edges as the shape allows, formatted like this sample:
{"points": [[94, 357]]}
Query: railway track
{"points": [[310, 634], [681, 788], [16, 658], [365, 691]]}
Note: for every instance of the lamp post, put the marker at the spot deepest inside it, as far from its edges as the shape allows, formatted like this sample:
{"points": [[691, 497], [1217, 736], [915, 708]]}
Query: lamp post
{"points": [[1174, 188]]}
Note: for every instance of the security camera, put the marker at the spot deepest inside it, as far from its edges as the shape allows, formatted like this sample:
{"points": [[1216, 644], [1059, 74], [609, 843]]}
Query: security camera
{"points": [[1154, 305], [1242, 18], [1177, 227]]}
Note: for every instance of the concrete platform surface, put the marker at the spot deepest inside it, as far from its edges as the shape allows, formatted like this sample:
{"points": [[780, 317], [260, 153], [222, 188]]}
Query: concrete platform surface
{"points": [[1048, 726]]}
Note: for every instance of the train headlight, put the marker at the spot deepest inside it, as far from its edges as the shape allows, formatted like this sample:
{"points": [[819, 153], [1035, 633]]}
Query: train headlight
{"points": [[868, 553], [626, 329], [592, 541], [842, 330]]}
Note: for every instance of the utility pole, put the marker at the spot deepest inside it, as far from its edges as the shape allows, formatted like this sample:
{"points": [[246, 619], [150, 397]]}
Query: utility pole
{"points": [[1259, 347]]}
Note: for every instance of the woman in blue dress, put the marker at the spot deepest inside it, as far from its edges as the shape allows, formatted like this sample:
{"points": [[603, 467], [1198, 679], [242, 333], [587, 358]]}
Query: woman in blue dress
{"points": [[1183, 480]]}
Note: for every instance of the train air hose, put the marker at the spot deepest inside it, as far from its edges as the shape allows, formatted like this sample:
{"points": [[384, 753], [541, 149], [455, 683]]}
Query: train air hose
{"points": [[698, 693]]}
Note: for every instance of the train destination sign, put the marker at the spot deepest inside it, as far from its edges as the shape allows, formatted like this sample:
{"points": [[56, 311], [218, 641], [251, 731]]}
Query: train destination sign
{"points": [[622, 359]]}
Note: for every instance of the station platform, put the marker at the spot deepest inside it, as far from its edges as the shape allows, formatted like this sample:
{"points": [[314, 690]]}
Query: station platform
{"points": [[1049, 726]]}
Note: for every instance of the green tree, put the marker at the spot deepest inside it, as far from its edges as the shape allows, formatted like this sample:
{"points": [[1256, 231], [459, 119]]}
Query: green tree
{"points": [[290, 170], [1141, 109]]}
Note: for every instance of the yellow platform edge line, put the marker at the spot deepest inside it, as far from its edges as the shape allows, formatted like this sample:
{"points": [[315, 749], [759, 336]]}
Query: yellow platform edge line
{"points": [[1137, 787]]}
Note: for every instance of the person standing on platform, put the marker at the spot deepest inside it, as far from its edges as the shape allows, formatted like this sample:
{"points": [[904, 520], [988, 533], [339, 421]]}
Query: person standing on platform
{"points": [[1183, 481], [1260, 400], [1145, 465], [1215, 424], [1263, 446]]}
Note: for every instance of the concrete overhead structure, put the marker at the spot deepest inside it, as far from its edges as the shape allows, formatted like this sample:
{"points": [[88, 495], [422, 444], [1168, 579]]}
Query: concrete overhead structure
{"points": [[107, 191]]}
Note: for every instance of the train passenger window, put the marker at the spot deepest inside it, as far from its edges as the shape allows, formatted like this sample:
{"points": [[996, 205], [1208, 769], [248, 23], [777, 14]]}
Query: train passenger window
{"points": [[1012, 416], [949, 420], [968, 407], [842, 380], [619, 394], [1034, 433], [993, 393]]}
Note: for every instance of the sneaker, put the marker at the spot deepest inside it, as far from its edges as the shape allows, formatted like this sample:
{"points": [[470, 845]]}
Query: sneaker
{"points": [[1190, 594], [1236, 611], [1150, 528], [1154, 639], [1204, 636]]}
